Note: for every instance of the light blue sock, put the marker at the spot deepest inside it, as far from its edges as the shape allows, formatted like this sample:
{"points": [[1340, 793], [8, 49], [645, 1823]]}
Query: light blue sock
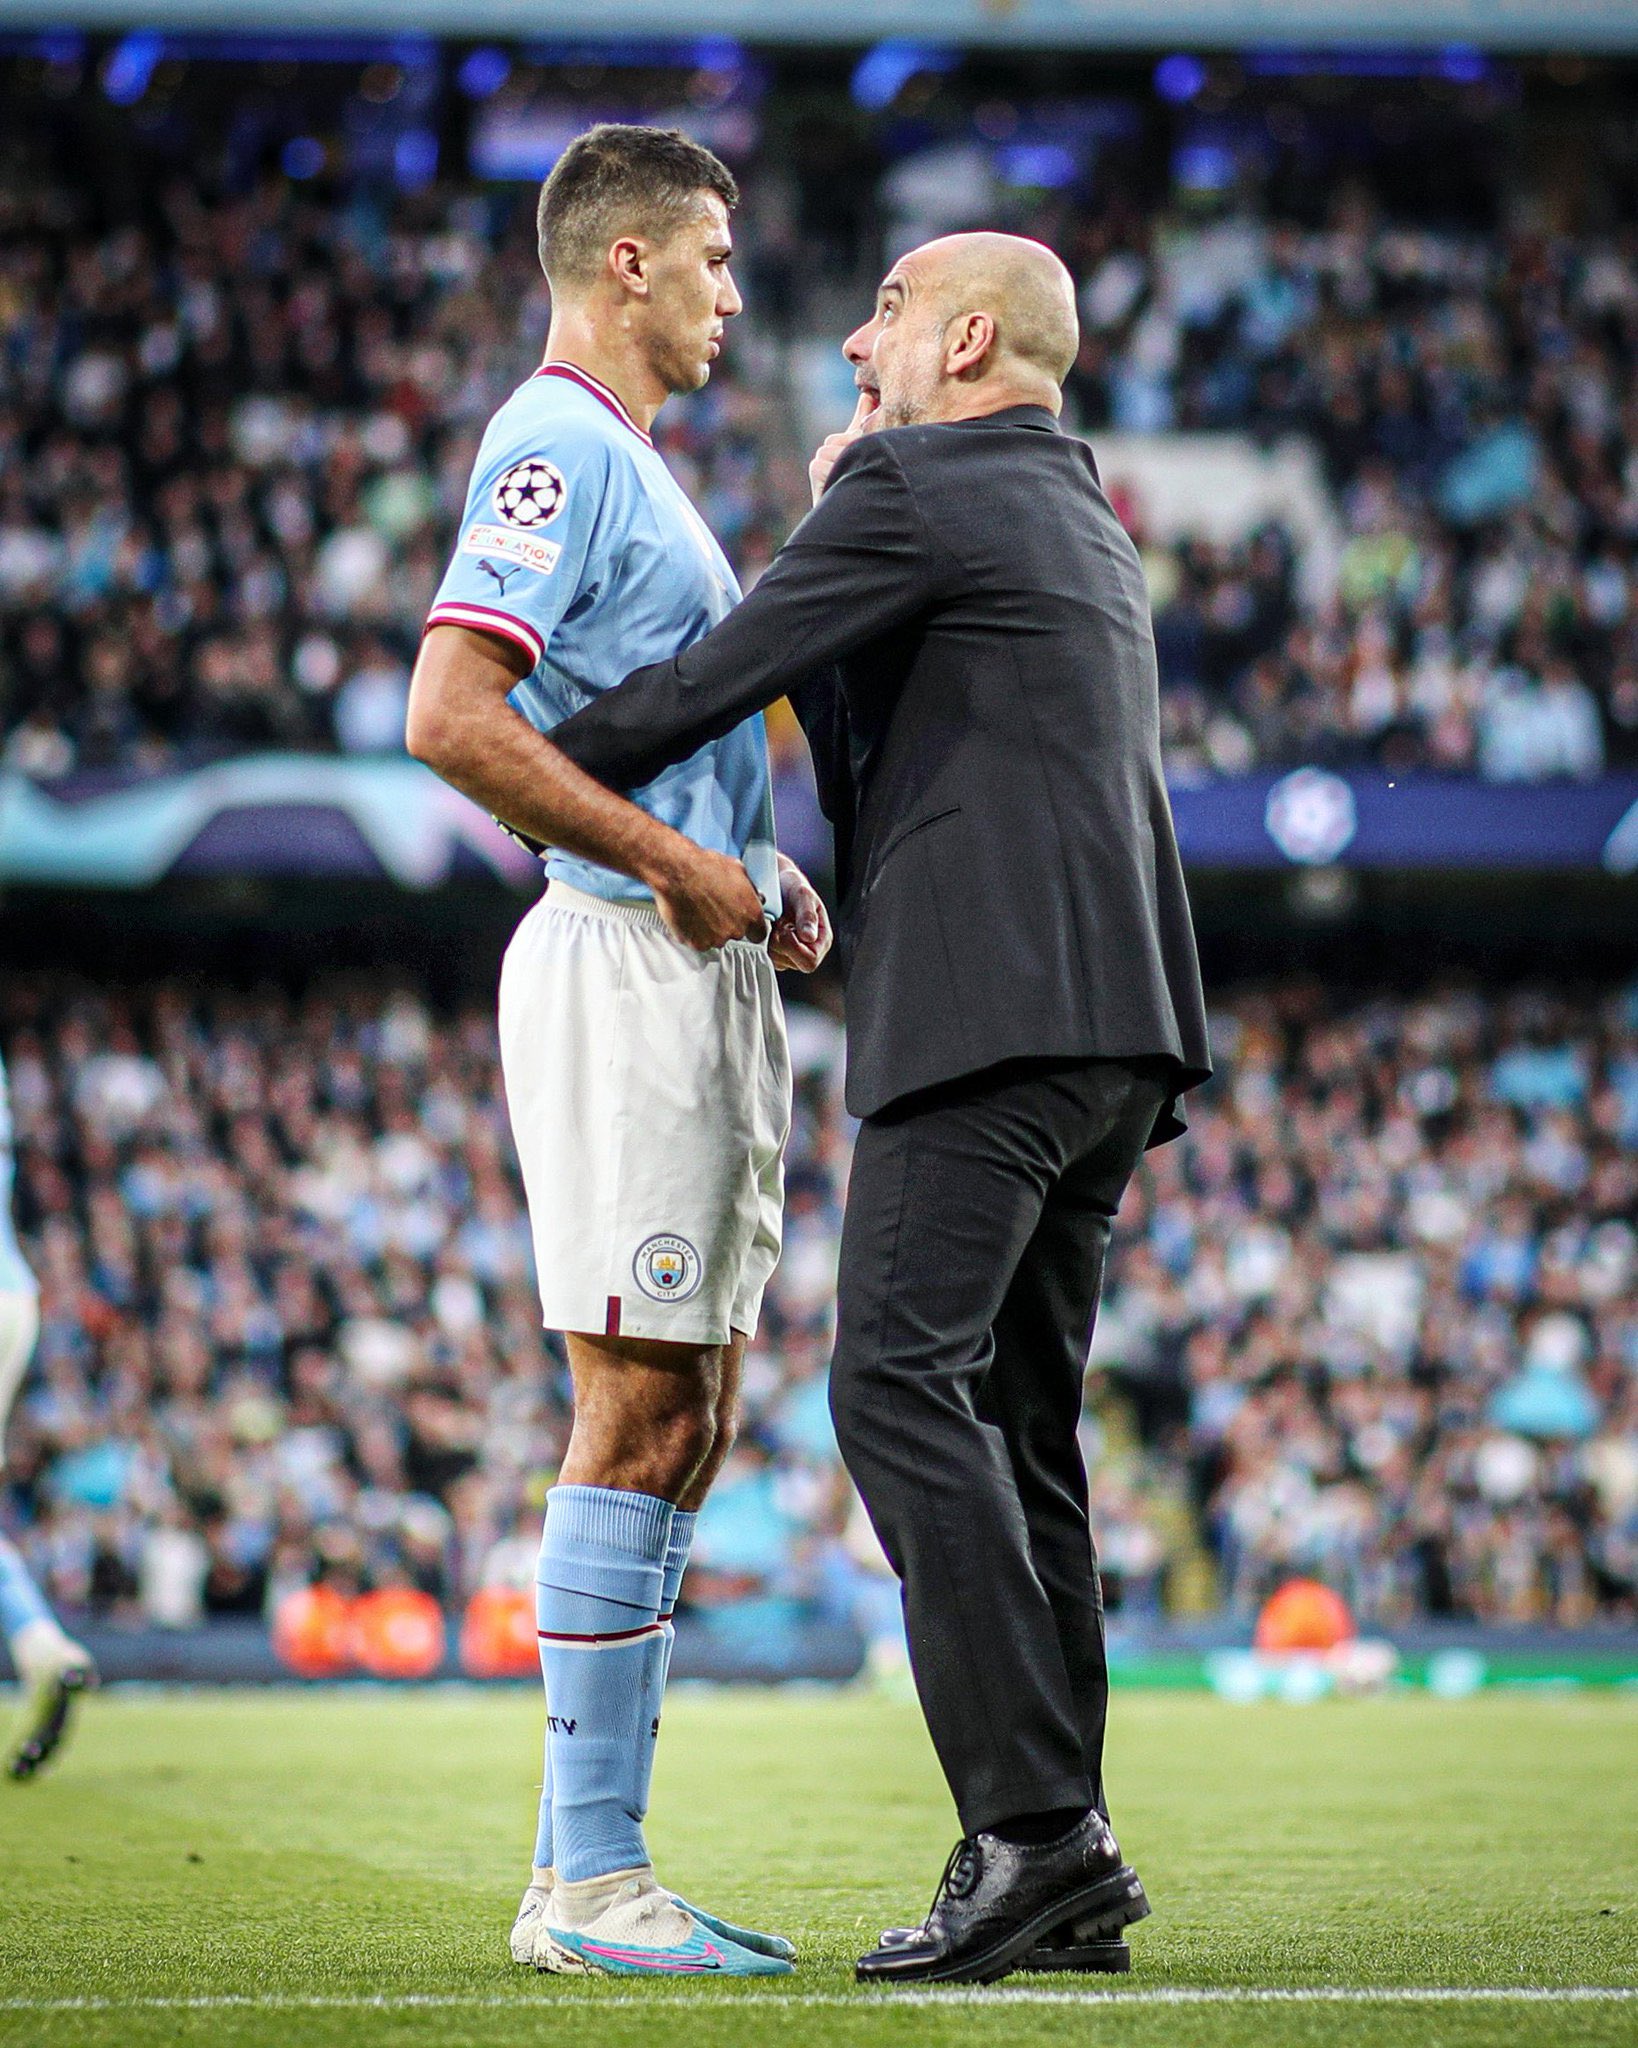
{"points": [[543, 1826], [597, 1606], [659, 1648], [21, 1601], [657, 1651]]}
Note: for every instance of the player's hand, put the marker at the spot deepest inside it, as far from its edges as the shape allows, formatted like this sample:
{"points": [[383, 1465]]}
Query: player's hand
{"points": [[707, 898], [801, 938], [828, 453]]}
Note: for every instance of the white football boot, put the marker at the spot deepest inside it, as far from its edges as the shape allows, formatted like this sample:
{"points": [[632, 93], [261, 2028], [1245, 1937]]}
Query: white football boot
{"points": [[627, 1924], [53, 1670]]}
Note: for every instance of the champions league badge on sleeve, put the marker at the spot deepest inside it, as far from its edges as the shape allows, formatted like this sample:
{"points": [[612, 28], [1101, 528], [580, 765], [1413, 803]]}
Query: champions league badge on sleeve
{"points": [[530, 494], [667, 1268]]}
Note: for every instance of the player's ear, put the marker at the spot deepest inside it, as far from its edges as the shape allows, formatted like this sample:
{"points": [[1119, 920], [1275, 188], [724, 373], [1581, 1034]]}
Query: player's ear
{"points": [[628, 263]]}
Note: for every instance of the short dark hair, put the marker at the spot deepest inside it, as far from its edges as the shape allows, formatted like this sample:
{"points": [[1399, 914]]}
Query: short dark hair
{"points": [[616, 180]]}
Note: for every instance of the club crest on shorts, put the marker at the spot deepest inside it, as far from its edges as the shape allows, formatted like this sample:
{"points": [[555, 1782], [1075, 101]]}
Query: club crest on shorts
{"points": [[667, 1268]]}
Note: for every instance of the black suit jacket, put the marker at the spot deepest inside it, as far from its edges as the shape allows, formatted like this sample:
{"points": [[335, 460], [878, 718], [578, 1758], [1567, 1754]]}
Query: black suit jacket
{"points": [[962, 625]]}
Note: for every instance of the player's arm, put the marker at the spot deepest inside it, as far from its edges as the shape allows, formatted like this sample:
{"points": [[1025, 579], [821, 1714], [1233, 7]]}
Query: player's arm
{"points": [[462, 727], [861, 563]]}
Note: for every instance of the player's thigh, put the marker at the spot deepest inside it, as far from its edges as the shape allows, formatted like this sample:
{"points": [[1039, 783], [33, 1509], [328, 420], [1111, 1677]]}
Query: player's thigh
{"points": [[19, 1329]]}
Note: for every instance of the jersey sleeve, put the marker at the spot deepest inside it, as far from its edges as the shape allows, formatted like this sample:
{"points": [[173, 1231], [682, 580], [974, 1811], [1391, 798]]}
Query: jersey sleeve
{"points": [[533, 510]]}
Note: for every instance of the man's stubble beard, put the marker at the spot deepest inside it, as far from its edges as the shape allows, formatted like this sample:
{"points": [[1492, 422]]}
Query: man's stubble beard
{"points": [[912, 406], [678, 370]]}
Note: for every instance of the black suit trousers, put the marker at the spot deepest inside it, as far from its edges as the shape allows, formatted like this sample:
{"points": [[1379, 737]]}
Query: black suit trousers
{"points": [[978, 1217]]}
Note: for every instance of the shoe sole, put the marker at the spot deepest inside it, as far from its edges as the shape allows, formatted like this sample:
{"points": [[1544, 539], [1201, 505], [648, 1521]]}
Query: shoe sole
{"points": [[552, 1957], [1088, 1947], [551, 1960], [38, 1748], [1093, 1958], [1097, 1914]]}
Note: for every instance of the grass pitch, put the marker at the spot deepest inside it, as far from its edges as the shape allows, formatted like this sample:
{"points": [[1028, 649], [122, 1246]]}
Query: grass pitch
{"points": [[342, 1867]]}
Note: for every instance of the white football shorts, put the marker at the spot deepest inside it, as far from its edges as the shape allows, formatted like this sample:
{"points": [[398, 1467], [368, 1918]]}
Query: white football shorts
{"points": [[649, 1087]]}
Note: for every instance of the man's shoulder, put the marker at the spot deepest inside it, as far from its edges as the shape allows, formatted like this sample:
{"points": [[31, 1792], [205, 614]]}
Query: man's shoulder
{"points": [[890, 449], [557, 420], [916, 454]]}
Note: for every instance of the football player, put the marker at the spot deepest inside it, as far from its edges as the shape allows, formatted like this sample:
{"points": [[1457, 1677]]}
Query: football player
{"points": [[642, 1038]]}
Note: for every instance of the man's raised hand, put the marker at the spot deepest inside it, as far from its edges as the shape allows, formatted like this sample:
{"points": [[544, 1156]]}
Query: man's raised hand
{"points": [[828, 453], [801, 938]]}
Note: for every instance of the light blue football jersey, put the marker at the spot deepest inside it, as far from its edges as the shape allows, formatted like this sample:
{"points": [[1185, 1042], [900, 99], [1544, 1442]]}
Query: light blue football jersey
{"points": [[579, 545], [15, 1277]]}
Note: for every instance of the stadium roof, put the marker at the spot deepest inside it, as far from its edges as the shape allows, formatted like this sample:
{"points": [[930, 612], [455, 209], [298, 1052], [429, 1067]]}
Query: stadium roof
{"points": [[1578, 25]]}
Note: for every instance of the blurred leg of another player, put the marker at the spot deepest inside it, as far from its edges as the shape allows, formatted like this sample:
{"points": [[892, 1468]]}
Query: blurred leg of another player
{"points": [[52, 1668]]}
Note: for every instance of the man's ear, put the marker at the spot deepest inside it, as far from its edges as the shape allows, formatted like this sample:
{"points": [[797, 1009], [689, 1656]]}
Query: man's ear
{"points": [[628, 264], [968, 344]]}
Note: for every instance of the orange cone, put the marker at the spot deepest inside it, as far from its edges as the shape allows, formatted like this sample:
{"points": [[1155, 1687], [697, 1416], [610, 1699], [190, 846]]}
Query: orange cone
{"points": [[498, 1637], [1304, 1615], [313, 1632], [398, 1633]]}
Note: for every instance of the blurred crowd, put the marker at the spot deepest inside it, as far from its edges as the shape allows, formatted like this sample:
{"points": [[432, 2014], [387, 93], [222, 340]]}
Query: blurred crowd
{"points": [[1375, 1319], [1473, 401], [1381, 1307], [236, 425]]}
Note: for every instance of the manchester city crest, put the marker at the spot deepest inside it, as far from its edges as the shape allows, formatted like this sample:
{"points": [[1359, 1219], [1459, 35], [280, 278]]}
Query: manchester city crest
{"points": [[667, 1268], [529, 494]]}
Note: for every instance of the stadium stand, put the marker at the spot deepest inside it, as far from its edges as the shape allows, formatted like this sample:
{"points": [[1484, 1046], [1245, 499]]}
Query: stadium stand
{"points": [[236, 418], [1372, 1321]]}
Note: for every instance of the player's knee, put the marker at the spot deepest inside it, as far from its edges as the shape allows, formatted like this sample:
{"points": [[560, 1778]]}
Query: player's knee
{"points": [[724, 1434], [682, 1440]]}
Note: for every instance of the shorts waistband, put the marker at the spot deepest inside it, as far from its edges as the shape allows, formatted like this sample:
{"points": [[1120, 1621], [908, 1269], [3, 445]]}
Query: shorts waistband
{"points": [[560, 896], [646, 916]]}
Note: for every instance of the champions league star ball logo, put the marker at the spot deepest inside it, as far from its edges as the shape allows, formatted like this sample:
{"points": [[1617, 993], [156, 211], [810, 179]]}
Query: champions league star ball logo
{"points": [[531, 494], [667, 1268]]}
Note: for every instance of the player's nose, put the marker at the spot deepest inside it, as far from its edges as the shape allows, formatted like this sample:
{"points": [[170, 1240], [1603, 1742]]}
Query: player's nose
{"points": [[729, 301], [858, 344]]}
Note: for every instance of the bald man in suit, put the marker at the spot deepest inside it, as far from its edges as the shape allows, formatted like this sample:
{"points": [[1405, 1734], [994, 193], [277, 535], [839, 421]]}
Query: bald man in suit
{"points": [[963, 627]]}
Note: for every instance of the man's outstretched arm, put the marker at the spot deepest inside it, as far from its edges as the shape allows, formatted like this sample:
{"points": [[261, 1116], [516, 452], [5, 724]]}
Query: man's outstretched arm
{"points": [[858, 565], [462, 727]]}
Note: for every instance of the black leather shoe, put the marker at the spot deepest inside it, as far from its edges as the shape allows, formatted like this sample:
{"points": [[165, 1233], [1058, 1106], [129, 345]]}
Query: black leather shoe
{"points": [[998, 1901]]}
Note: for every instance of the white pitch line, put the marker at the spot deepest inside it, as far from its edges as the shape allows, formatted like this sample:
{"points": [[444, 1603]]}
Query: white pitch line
{"points": [[1159, 1995]]}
